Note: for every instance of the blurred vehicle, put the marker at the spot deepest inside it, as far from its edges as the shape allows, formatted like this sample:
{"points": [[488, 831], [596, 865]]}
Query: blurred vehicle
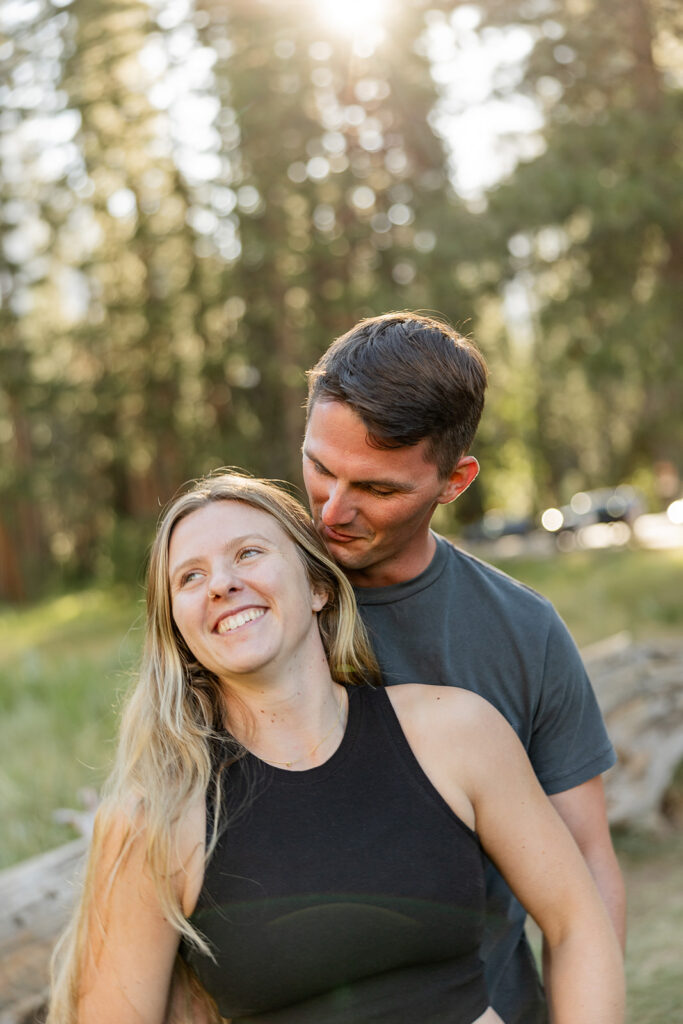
{"points": [[662, 530], [589, 510], [600, 518], [494, 524]]}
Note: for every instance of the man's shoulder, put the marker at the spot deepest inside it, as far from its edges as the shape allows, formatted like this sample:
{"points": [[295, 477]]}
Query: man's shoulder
{"points": [[457, 583], [473, 574]]}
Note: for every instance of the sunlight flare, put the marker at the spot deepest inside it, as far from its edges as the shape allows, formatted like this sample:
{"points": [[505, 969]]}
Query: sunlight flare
{"points": [[352, 16]]}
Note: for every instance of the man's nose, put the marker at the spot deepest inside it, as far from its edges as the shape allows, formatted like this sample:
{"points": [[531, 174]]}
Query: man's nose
{"points": [[337, 509]]}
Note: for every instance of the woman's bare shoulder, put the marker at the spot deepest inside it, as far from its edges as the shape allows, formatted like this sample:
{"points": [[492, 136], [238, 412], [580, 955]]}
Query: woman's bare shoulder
{"points": [[124, 828], [450, 731], [455, 727], [444, 706]]}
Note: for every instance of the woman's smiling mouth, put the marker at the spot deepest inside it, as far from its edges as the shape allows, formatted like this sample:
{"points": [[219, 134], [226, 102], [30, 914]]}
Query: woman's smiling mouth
{"points": [[230, 622]]}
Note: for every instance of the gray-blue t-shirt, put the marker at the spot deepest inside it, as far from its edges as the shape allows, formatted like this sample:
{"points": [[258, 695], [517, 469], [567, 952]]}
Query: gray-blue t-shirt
{"points": [[463, 623]]}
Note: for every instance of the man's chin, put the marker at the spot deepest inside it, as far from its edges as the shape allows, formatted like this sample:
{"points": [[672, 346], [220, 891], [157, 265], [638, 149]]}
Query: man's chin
{"points": [[347, 558]]}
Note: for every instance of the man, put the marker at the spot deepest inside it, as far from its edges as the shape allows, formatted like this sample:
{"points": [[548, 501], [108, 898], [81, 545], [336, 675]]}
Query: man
{"points": [[393, 408]]}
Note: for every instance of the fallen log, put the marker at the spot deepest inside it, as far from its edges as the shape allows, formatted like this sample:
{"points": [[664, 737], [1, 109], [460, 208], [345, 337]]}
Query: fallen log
{"points": [[35, 897], [640, 691]]}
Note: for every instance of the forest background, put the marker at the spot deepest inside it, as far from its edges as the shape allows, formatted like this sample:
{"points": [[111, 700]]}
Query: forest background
{"points": [[197, 197]]}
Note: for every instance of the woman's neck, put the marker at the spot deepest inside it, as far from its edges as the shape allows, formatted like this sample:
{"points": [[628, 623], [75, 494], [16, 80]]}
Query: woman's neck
{"points": [[293, 723]]}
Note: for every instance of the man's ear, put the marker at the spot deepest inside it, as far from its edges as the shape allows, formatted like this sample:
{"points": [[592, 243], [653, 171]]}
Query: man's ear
{"points": [[459, 480]]}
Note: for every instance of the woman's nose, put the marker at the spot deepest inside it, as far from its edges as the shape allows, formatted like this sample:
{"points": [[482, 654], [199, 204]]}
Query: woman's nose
{"points": [[221, 583]]}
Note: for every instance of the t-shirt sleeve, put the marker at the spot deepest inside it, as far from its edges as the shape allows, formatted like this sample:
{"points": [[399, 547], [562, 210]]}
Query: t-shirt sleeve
{"points": [[569, 743]]}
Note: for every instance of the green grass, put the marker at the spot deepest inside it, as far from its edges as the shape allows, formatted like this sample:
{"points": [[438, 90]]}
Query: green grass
{"points": [[63, 667], [653, 871]]}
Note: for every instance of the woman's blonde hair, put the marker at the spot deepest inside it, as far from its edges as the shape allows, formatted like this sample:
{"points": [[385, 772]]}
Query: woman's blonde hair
{"points": [[173, 715]]}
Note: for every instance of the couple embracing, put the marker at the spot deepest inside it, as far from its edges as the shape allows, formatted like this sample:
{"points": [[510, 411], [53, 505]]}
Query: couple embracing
{"points": [[355, 756]]}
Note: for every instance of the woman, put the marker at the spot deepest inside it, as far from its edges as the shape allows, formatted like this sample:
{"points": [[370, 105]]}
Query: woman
{"points": [[280, 844]]}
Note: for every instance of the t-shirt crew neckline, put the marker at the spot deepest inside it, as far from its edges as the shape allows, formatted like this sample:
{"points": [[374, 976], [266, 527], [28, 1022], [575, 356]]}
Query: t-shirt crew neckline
{"points": [[307, 776], [407, 588]]}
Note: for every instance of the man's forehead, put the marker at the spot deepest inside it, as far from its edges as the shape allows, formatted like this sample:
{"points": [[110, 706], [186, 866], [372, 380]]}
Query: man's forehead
{"points": [[337, 438]]}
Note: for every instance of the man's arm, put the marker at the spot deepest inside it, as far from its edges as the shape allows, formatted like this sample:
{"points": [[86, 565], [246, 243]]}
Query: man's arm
{"points": [[584, 813]]}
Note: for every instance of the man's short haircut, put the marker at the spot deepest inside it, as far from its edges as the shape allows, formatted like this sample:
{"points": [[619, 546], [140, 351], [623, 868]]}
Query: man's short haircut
{"points": [[410, 378]]}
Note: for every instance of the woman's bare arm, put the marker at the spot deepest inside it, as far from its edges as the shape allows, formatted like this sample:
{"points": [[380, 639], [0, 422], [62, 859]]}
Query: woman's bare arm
{"points": [[131, 946]]}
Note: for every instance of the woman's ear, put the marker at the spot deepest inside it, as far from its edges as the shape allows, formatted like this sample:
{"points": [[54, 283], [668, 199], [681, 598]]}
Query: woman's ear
{"points": [[319, 598]]}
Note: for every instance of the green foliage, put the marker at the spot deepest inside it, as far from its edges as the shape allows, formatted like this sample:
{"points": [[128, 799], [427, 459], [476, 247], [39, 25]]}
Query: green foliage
{"points": [[193, 205], [206, 202], [594, 227]]}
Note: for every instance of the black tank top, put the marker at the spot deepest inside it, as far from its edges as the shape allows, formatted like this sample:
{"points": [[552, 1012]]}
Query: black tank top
{"points": [[349, 893]]}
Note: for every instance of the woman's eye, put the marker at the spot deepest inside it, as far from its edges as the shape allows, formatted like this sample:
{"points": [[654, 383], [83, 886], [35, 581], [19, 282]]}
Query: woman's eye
{"points": [[248, 553], [189, 576]]}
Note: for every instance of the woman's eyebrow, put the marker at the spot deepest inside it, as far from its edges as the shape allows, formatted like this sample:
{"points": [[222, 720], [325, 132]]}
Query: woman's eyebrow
{"points": [[234, 542], [173, 572]]}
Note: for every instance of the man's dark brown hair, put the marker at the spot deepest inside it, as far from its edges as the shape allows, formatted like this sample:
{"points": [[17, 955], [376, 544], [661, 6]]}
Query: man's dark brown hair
{"points": [[410, 378]]}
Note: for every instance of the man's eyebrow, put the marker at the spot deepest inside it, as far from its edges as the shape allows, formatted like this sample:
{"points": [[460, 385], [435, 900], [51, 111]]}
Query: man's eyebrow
{"points": [[391, 485]]}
